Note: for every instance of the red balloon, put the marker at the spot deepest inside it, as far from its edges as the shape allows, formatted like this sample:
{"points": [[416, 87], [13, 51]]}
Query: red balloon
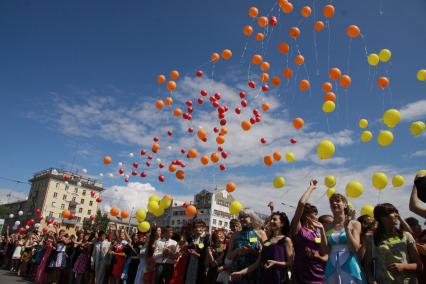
{"points": [[263, 140], [120, 171], [252, 84], [273, 21], [49, 221], [92, 217], [30, 222], [39, 218], [222, 167], [199, 73], [126, 179], [92, 193], [45, 229], [99, 200], [203, 93], [242, 95], [293, 141], [22, 230], [156, 139], [150, 157], [185, 204], [143, 152], [217, 96], [135, 165], [161, 165], [143, 174], [265, 88], [190, 129], [170, 133], [244, 103], [314, 182], [161, 178], [224, 154], [134, 173], [148, 164], [200, 101], [38, 211], [237, 110]]}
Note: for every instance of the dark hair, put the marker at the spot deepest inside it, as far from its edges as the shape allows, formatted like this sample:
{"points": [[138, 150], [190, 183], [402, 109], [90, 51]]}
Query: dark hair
{"points": [[412, 222], [307, 210], [100, 233], [365, 224], [323, 219], [151, 240], [380, 211], [285, 229], [198, 223], [234, 222], [343, 199], [167, 229]]}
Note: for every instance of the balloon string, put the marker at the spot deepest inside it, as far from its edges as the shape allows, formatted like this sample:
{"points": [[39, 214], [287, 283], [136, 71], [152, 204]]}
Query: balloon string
{"points": [[387, 75], [244, 52]]}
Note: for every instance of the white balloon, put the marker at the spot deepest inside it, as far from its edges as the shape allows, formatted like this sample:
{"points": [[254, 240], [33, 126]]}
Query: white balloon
{"points": [[54, 172], [37, 225], [79, 183], [50, 225], [84, 171], [111, 175], [131, 155], [27, 227], [66, 182], [17, 223], [20, 213], [169, 147], [120, 164], [158, 160], [101, 174], [126, 176], [11, 216]]}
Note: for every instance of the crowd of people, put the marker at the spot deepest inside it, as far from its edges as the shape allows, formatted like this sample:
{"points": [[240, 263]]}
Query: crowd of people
{"points": [[335, 248]]}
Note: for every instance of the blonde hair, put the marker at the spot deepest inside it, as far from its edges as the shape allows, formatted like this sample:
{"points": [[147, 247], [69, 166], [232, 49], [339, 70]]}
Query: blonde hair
{"points": [[256, 221]]}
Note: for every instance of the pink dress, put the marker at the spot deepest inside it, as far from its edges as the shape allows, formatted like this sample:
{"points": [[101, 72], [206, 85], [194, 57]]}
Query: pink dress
{"points": [[41, 275], [119, 261]]}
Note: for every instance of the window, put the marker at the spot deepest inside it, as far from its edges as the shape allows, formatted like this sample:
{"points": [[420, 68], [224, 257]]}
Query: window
{"points": [[64, 197], [78, 219], [73, 199], [55, 194], [62, 206], [220, 223], [84, 192], [89, 212], [50, 214], [90, 202], [76, 189], [67, 187], [226, 224], [173, 222], [214, 221], [82, 201], [57, 185], [80, 210], [53, 204]]}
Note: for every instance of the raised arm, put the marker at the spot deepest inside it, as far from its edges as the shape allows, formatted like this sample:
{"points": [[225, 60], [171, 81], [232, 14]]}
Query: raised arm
{"points": [[295, 222], [415, 204], [353, 232], [404, 225]]}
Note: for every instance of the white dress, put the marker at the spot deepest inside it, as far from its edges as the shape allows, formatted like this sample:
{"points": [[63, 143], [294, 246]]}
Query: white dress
{"points": [[17, 252], [141, 267]]}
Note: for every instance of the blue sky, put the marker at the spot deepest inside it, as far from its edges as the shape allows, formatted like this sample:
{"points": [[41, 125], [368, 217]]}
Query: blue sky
{"points": [[78, 81]]}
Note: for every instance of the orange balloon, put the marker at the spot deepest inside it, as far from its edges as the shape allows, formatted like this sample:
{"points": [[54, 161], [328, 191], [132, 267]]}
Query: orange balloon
{"points": [[264, 77], [299, 59], [220, 139], [276, 81], [224, 130], [107, 160], [180, 175], [294, 32], [334, 74], [329, 96], [214, 157], [345, 81], [248, 30], [161, 79], [253, 12], [328, 11], [172, 168], [383, 82], [204, 160], [202, 134], [277, 156], [298, 123], [168, 197], [256, 59], [192, 153], [264, 66], [226, 54], [319, 26], [171, 86], [284, 48], [124, 214], [286, 7], [268, 160], [230, 186], [174, 75], [190, 211], [327, 87], [304, 85], [159, 104], [66, 214], [288, 73], [114, 211], [215, 57], [353, 31], [259, 36], [306, 11], [262, 21], [246, 125], [168, 101], [265, 107], [177, 112], [155, 147]]}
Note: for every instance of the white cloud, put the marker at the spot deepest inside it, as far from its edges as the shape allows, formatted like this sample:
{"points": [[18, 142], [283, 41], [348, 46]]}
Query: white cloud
{"points": [[420, 153], [415, 110]]}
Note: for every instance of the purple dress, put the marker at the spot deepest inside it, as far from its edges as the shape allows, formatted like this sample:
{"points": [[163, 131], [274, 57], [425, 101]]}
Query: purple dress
{"points": [[307, 270], [277, 252]]}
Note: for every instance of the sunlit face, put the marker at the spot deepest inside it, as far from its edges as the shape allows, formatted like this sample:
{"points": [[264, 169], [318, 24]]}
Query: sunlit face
{"points": [[390, 220], [142, 238], [122, 235], [337, 205], [236, 227], [158, 233], [198, 230], [220, 237], [275, 222], [245, 220]]}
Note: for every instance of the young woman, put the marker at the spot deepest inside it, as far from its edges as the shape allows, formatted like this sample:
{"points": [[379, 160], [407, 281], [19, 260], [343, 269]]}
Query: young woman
{"points": [[215, 257], [58, 260], [244, 246], [120, 257], [343, 242], [49, 244], [141, 247], [277, 253], [419, 186], [309, 259], [149, 275], [16, 257], [82, 264], [396, 257], [183, 256], [197, 248]]}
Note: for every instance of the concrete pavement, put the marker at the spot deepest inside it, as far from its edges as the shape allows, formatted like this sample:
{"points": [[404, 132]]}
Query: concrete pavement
{"points": [[7, 277]]}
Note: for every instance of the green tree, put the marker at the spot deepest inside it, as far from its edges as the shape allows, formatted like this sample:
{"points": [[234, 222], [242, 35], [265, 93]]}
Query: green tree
{"points": [[4, 211], [101, 221]]}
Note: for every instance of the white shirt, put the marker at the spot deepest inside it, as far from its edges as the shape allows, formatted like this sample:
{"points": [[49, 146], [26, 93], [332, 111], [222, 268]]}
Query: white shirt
{"points": [[159, 248]]}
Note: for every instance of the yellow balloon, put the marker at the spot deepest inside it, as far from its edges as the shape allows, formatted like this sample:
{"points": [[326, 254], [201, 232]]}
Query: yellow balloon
{"points": [[279, 182], [373, 59], [421, 173], [385, 138], [328, 106], [165, 203], [354, 189], [325, 149], [144, 227], [289, 156], [417, 128], [366, 136], [235, 207], [140, 215], [368, 210], [421, 75], [154, 198], [330, 181], [330, 192], [385, 55], [391, 117], [398, 181], [379, 180], [153, 206], [158, 212], [363, 123]]}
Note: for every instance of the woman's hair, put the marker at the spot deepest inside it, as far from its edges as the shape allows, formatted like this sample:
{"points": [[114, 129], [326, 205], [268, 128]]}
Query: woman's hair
{"points": [[308, 210], [380, 211], [151, 240], [338, 196], [215, 234], [285, 229], [256, 221], [366, 224]]}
